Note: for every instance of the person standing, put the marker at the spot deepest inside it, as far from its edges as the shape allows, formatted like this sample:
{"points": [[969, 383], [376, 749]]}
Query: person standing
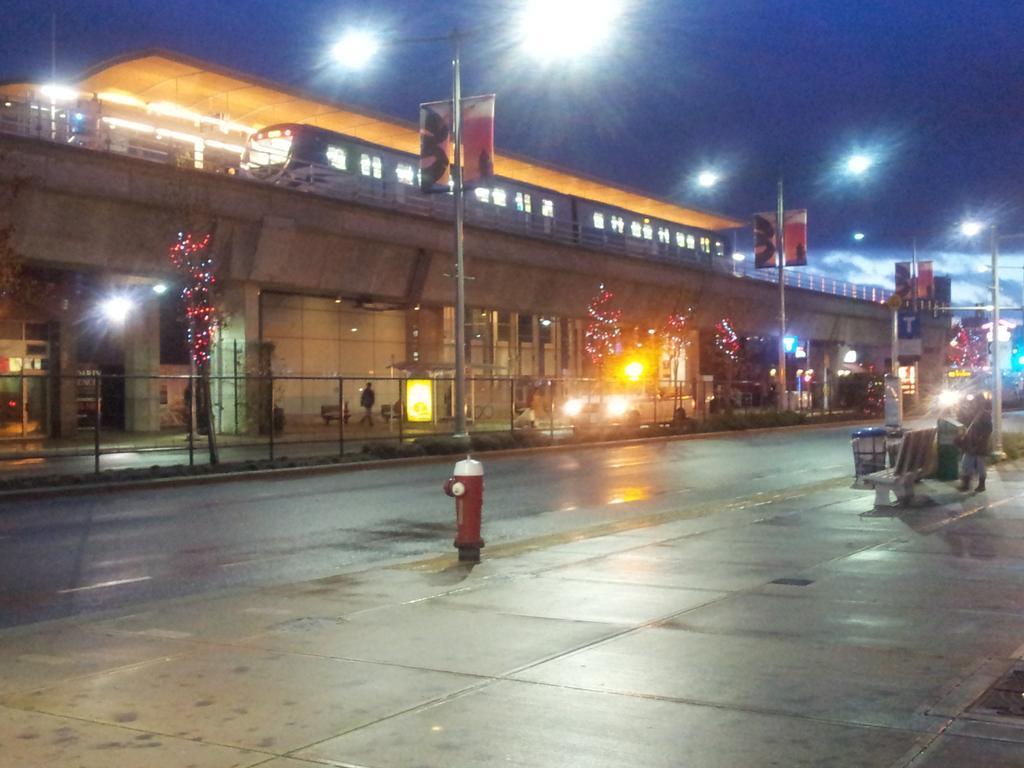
{"points": [[974, 444], [367, 399]]}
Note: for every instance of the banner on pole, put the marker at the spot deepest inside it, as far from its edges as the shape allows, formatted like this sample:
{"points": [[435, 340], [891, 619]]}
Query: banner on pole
{"points": [[435, 146], [902, 280], [925, 280], [765, 244], [477, 140]]}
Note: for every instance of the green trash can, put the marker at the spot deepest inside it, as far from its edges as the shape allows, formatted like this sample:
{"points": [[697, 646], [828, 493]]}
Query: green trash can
{"points": [[949, 455]]}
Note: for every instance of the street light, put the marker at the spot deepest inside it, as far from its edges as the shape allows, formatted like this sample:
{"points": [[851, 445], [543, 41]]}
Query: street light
{"points": [[859, 164], [707, 179], [548, 31]]}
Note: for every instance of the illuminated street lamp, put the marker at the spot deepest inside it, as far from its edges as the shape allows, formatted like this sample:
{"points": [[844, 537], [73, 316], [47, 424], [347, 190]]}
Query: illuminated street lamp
{"points": [[707, 179], [858, 236], [117, 308], [548, 31], [859, 164]]}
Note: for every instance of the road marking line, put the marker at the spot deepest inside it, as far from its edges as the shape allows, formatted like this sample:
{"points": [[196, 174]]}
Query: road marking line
{"points": [[103, 584]]}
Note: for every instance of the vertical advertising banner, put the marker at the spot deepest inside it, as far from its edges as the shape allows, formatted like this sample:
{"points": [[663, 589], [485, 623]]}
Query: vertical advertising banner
{"points": [[765, 244], [435, 145], [477, 140], [925, 280], [902, 286]]}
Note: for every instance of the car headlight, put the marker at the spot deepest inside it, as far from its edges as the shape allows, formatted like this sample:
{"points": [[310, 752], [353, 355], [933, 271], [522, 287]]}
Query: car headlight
{"points": [[617, 406], [948, 398], [573, 407]]}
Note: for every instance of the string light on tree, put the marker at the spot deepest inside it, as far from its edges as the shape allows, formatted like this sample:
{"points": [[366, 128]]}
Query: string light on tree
{"points": [[674, 333], [968, 349], [726, 339], [601, 337], [191, 257]]}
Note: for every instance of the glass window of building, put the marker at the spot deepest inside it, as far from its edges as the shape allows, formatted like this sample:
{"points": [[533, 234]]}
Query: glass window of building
{"points": [[705, 244], [337, 157], [618, 224], [525, 328], [524, 204], [499, 197], [681, 239], [663, 235], [598, 220], [648, 231], [636, 229], [547, 208], [483, 194], [378, 168], [365, 164], [405, 173], [691, 243]]}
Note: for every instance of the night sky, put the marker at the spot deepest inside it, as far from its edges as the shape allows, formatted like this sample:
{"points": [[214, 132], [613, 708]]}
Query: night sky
{"points": [[934, 89]]}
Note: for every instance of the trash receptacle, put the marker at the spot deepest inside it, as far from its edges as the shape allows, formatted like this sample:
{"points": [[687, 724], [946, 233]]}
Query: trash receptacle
{"points": [[949, 455], [868, 451]]}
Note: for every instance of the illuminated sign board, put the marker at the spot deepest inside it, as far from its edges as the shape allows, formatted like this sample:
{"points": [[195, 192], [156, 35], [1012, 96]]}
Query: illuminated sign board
{"points": [[419, 400]]}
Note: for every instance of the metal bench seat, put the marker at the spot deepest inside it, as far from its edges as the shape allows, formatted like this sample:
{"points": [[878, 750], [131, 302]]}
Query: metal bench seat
{"points": [[914, 455]]}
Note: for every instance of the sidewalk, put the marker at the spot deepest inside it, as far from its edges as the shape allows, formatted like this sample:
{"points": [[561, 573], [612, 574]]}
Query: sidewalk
{"points": [[798, 630]]}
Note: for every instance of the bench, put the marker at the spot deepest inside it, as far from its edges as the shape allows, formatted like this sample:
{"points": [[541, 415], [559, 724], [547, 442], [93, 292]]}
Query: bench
{"points": [[331, 413], [915, 453]]}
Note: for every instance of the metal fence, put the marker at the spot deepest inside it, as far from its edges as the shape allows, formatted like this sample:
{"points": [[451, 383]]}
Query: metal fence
{"points": [[96, 422]]}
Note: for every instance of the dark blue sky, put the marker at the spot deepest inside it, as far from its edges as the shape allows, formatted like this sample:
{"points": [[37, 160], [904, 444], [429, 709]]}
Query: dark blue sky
{"points": [[934, 87]]}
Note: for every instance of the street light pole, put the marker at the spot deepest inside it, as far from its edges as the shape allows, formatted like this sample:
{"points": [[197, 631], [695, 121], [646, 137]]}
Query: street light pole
{"points": [[780, 257], [460, 277], [997, 379]]}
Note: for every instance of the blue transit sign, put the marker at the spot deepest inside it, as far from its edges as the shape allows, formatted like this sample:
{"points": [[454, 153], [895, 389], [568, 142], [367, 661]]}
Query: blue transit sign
{"points": [[909, 325]]}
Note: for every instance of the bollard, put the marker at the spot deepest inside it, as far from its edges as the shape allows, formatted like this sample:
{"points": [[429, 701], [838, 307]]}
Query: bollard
{"points": [[466, 486]]}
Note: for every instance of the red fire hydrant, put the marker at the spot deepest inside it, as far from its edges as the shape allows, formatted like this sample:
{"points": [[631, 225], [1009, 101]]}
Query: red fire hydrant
{"points": [[466, 486]]}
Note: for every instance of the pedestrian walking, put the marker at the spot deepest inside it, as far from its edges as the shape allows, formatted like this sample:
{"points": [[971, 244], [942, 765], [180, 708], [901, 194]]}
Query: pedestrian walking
{"points": [[367, 399], [974, 444]]}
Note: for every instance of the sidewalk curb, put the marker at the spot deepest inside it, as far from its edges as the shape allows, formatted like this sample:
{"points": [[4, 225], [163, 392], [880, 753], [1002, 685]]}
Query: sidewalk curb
{"points": [[287, 473]]}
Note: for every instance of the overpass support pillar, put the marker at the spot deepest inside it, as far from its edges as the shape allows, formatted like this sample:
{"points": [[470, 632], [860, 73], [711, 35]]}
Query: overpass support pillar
{"points": [[235, 361], [142, 368]]}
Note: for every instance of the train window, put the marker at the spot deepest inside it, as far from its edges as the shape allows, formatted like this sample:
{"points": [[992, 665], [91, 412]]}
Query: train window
{"points": [[719, 248], [547, 208], [337, 157], [405, 173], [524, 204], [598, 220], [705, 244], [648, 230], [618, 224], [635, 229], [681, 239], [483, 194], [663, 235], [499, 198], [371, 166], [690, 242]]}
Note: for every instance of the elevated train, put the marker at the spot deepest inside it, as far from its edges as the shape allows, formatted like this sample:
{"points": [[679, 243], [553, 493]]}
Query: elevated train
{"points": [[319, 160]]}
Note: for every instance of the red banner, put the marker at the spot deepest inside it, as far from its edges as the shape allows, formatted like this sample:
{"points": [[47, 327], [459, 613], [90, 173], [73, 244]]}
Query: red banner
{"points": [[765, 244], [477, 140], [925, 280]]}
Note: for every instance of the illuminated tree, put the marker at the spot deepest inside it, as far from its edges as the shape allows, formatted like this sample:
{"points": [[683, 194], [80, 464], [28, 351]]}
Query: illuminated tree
{"points": [[729, 348], [674, 333], [601, 337], [968, 348], [192, 258]]}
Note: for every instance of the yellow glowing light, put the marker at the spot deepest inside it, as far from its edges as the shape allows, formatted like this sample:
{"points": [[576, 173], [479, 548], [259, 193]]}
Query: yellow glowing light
{"points": [[634, 370], [419, 400]]}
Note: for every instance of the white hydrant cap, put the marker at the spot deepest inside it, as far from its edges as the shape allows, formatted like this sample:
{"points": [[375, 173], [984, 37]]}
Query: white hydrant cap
{"points": [[469, 468], [458, 489]]}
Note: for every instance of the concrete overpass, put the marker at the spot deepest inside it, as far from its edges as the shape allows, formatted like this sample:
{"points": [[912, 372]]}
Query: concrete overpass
{"points": [[75, 211]]}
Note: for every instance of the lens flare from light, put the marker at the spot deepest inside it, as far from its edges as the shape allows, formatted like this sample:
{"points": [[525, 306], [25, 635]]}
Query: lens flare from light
{"points": [[617, 406], [707, 179], [117, 308], [971, 228], [355, 49], [566, 30], [573, 407]]}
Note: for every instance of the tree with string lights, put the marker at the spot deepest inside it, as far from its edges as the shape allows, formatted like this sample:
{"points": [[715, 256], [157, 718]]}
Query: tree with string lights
{"points": [[968, 349], [729, 348], [674, 341], [603, 332], [191, 257]]}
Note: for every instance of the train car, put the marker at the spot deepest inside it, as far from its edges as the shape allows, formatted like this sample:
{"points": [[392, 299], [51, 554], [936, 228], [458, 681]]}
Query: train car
{"points": [[312, 158]]}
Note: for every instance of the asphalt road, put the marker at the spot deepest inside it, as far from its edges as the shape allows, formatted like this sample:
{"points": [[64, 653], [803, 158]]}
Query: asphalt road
{"points": [[67, 556]]}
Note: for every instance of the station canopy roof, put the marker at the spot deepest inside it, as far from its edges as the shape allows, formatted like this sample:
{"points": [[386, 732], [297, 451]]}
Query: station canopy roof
{"points": [[208, 89]]}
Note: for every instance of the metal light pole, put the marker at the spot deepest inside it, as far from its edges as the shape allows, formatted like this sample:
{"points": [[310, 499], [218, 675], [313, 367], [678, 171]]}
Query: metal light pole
{"points": [[997, 379], [460, 277], [780, 257]]}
